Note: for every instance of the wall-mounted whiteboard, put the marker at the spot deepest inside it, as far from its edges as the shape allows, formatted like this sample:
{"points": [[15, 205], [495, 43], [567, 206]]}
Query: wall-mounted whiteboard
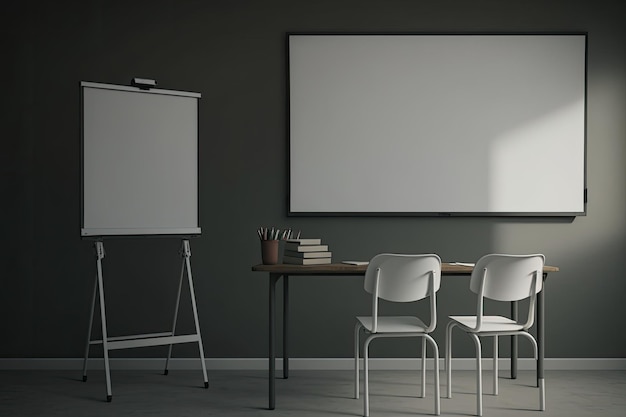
{"points": [[437, 124], [139, 161]]}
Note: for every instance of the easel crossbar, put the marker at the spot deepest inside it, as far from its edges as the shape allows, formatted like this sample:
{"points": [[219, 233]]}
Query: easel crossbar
{"points": [[143, 340], [152, 341], [138, 336]]}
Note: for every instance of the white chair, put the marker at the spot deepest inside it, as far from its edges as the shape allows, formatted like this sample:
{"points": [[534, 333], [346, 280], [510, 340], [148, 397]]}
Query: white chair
{"points": [[399, 278], [502, 278]]}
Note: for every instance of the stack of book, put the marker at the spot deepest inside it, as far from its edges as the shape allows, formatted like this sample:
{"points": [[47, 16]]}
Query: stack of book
{"points": [[306, 252]]}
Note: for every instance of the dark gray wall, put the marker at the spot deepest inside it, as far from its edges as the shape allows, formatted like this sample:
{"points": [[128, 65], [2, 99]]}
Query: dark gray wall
{"points": [[233, 52]]}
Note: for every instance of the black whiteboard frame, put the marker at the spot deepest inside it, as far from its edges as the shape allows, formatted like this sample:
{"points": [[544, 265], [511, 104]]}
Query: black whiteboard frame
{"points": [[291, 213], [185, 233]]}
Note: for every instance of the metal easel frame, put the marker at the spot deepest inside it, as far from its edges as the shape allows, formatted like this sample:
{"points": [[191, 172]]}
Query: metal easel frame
{"points": [[142, 340]]}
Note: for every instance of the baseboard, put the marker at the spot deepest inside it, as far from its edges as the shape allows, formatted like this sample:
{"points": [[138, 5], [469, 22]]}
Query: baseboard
{"points": [[321, 364]]}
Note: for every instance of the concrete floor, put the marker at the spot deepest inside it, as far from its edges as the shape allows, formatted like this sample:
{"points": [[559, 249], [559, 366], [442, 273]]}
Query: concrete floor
{"points": [[304, 394]]}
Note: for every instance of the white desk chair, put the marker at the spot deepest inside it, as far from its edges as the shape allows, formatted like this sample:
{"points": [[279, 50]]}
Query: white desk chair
{"points": [[399, 278], [501, 278]]}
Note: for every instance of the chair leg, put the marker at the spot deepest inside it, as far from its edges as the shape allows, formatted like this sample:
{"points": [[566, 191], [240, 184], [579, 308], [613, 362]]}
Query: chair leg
{"points": [[479, 376], [436, 363], [423, 367], [366, 394], [540, 382], [495, 365], [448, 359], [357, 331]]}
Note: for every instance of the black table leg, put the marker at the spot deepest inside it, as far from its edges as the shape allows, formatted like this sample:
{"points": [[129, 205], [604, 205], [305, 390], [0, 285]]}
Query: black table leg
{"points": [[272, 333], [514, 351], [285, 326]]}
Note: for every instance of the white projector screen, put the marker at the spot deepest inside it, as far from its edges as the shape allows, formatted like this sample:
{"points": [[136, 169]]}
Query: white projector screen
{"points": [[437, 124], [139, 161]]}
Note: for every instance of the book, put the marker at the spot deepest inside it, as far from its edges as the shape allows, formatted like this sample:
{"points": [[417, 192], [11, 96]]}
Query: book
{"points": [[296, 247], [305, 261], [463, 263], [294, 254], [355, 262], [305, 241]]}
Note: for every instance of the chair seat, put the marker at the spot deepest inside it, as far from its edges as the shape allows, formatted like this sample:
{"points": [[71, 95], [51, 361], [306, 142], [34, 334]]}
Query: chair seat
{"points": [[489, 324], [394, 324]]}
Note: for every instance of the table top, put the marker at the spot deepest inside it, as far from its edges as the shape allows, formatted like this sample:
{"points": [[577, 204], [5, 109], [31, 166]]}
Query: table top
{"points": [[345, 269]]}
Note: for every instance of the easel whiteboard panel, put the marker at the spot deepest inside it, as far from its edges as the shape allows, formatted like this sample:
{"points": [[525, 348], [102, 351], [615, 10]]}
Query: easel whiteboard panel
{"points": [[140, 161], [437, 124]]}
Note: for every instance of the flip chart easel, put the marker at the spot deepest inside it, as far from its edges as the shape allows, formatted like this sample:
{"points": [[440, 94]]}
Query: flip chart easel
{"points": [[139, 178]]}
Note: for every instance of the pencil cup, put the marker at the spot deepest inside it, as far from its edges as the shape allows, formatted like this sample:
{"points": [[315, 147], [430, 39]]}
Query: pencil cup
{"points": [[269, 252]]}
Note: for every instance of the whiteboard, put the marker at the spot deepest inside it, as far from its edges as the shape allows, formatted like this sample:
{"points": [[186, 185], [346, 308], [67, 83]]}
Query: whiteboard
{"points": [[139, 161], [437, 124]]}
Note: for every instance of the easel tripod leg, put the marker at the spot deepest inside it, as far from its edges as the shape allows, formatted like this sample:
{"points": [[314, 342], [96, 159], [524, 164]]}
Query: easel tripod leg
{"points": [[90, 327], [105, 348], [180, 287], [187, 263]]}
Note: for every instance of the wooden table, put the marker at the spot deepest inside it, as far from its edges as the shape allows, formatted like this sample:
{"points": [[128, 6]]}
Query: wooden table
{"points": [[285, 271]]}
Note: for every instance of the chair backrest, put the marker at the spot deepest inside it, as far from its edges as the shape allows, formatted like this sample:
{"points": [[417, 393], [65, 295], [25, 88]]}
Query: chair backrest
{"points": [[508, 277], [403, 278]]}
